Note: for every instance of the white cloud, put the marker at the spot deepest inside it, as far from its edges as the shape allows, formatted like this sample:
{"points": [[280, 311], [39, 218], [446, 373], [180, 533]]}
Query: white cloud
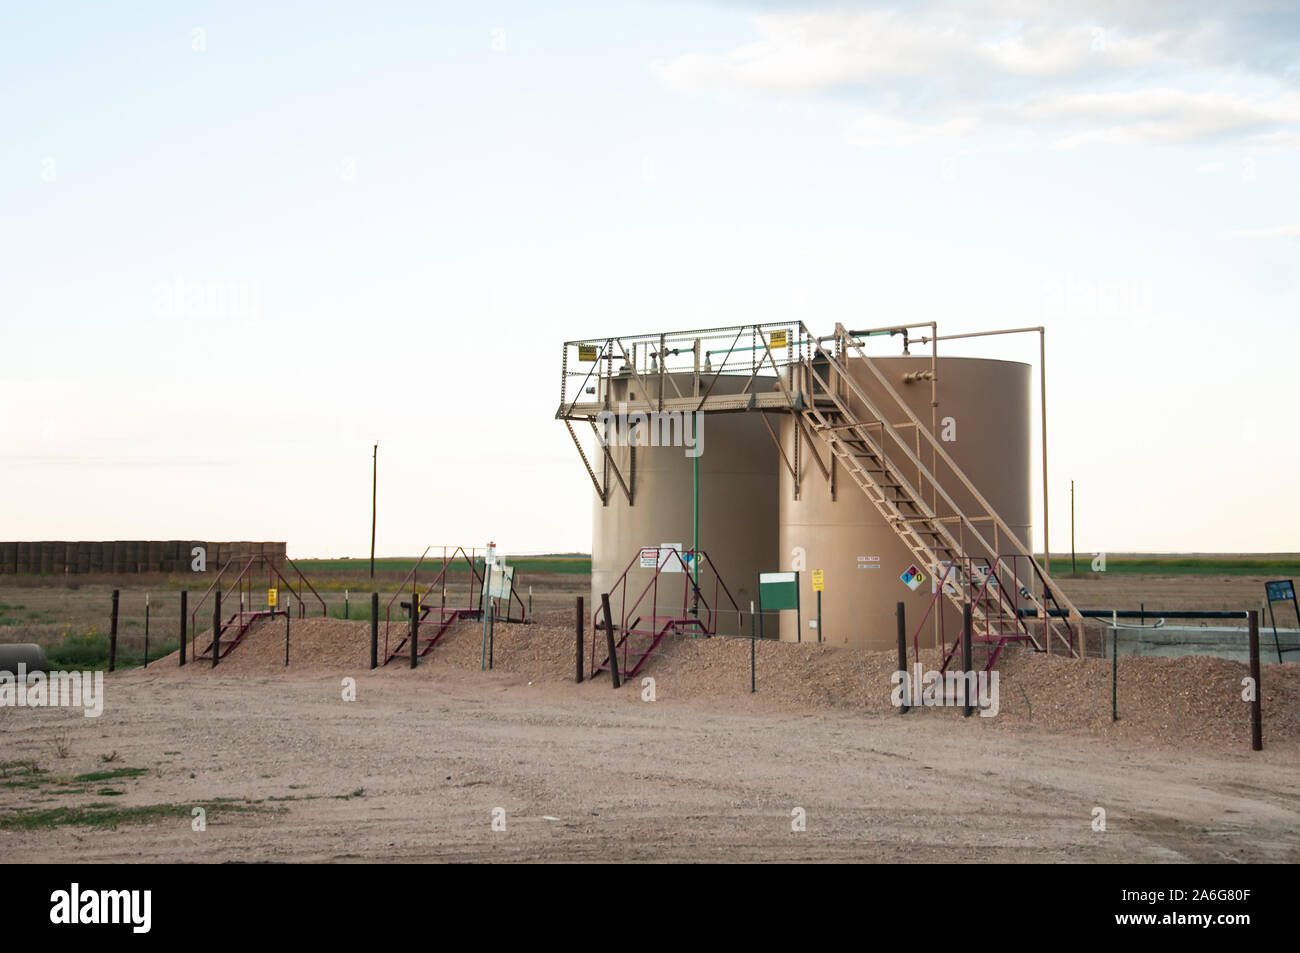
{"points": [[1278, 231], [1208, 167], [1160, 115], [1099, 71], [823, 51]]}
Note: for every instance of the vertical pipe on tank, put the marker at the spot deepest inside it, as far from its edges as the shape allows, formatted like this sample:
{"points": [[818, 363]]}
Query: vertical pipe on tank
{"points": [[1042, 400], [695, 532]]}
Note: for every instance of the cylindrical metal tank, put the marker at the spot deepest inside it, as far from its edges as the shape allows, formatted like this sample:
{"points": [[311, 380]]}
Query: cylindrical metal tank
{"points": [[28, 654], [985, 406], [738, 464]]}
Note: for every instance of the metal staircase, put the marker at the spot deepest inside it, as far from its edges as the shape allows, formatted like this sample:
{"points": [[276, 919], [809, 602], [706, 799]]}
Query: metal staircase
{"points": [[228, 586], [447, 617], [962, 557], [644, 623], [245, 622]]}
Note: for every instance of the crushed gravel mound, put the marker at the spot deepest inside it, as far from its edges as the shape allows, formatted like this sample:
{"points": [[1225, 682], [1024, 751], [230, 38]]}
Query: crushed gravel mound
{"points": [[1190, 701]]}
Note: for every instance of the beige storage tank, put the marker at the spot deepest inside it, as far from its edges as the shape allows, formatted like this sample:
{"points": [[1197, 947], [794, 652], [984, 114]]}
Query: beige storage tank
{"points": [[989, 403], [738, 464]]}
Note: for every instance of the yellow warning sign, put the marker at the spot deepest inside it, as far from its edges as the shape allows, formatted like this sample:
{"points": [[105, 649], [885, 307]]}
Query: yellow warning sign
{"points": [[588, 352], [819, 580], [778, 339], [270, 597]]}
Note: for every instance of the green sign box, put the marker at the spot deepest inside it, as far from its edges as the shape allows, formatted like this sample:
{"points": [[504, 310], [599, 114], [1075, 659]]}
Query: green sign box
{"points": [[778, 590]]}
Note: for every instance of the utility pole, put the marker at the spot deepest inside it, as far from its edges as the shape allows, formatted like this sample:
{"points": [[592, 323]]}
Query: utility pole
{"points": [[374, 498], [1074, 570]]}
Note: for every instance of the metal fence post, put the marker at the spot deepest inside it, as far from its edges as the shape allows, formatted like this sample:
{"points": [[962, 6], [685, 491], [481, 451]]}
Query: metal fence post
{"points": [[901, 613], [578, 656], [216, 628], [1256, 714], [609, 638], [112, 636], [967, 631], [374, 630], [185, 598], [415, 629]]}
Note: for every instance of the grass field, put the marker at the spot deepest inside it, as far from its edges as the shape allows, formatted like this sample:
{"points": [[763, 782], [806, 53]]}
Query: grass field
{"points": [[355, 573], [1282, 565]]}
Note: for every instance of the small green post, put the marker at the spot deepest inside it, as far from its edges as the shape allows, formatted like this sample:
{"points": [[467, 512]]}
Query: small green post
{"points": [[1114, 666], [752, 643], [695, 533]]}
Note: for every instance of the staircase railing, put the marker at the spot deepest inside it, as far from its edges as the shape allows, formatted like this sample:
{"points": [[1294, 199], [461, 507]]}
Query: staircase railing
{"points": [[243, 584], [692, 600], [449, 558], [889, 436]]}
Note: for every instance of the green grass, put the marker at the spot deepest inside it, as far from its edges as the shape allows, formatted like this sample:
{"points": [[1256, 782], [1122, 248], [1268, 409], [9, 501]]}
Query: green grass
{"points": [[103, 816], [9, 616], [358, 609], [109, 775], [21, 774], [359, 569], [1280, 566], [97, 814], [27, 774], [90, 652]]}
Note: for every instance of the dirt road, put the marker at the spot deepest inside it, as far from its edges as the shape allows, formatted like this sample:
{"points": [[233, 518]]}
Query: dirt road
{"points": [[415, 767]]}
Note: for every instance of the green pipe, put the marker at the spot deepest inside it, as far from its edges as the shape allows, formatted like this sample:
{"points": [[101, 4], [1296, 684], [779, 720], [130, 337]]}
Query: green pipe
{"points": [[695, 520], [736, 350]]}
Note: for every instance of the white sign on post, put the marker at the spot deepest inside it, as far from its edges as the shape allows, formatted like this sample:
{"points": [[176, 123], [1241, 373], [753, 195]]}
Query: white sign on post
{"points": [[503, 581], [670, 557]]}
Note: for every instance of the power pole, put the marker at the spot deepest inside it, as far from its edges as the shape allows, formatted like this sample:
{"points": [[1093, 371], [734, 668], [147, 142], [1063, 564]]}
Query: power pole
{"points": [[374, 498], [1074, 570]]}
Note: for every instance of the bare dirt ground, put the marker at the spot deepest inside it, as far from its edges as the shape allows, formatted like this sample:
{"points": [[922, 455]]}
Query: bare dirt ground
{"points": [[415, 767]]}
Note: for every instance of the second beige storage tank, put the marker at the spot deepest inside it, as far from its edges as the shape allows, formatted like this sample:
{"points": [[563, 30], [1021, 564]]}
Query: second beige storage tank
{"points": [[989, 402]]}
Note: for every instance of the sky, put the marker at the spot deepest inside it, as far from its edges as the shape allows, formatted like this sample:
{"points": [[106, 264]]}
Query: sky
{"points": [[242, 242]]}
